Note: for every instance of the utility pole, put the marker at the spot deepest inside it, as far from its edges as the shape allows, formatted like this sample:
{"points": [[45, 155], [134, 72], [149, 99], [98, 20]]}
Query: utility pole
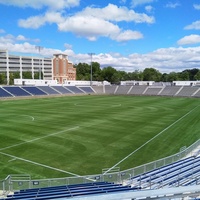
{"points": [[39, 48], [91, 54]]}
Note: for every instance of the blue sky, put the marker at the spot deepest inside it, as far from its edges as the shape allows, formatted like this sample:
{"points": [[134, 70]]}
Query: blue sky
{"points": [[128, 35]]}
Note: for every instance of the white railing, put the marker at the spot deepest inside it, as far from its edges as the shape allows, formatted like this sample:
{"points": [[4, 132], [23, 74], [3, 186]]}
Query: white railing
{"points": [[17, 182]]}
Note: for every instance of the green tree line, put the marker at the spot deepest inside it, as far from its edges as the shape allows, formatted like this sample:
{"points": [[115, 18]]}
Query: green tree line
{"points": [[83, 72], [16, 75]]}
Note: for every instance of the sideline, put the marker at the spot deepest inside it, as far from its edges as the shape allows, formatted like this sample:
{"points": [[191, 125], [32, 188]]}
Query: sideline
{"points": [[150, 140], [39, 164], [33, 140]]}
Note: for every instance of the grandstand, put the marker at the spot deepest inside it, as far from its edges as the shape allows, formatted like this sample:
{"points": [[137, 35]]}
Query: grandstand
{"points": [[177, 179], [179, 91]]}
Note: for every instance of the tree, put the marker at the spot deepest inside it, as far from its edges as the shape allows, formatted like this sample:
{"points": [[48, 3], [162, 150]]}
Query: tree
{"points": [[27, 75], [96, 72], [110, 74], [2, 78], [83, 71], [197, 76], [12, 76], [151, 74], [172, 76], [183, 76]]}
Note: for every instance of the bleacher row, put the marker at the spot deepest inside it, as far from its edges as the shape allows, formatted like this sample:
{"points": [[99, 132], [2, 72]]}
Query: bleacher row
{"points": [[17, 91], [69, 191], [182, 91], [179, 91], [185, 172], [181, 173]]}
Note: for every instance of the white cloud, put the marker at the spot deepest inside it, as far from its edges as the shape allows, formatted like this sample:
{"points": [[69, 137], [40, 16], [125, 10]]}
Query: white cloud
{"points": [[115, 13], [38, 4], [135, 3], [2, 31], [195, 25], [21, 38], [172, 5], [128, 35], [197, 6], [35, 22], [92, 23], [89, 27], [68, 46], [165, 60], [191, 39], [149, 9]]}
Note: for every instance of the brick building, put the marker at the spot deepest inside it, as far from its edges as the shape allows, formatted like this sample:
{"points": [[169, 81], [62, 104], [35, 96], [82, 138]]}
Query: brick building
{"points": [[58, 68], [63, 69]]}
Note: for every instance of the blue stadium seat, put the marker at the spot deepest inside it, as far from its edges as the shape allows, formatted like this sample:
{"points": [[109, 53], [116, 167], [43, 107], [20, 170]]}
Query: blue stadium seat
{"points": [[86, 89], [68, 191], [62, 89], [34, 90], [74, 89], [48, 89], [4, 93], [16, 91]]}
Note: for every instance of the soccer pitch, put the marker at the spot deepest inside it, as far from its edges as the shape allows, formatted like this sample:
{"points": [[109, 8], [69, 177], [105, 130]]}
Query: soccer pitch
{"points": [[80, 135]]}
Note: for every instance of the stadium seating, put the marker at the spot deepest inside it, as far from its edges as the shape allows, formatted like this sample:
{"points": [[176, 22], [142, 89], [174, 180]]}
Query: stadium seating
{"points": [[153, 90], [16, 91], [170, 90], [197, 93], [86, 89], [138, 89], [122, 89], [68, 191], [98, 89], [182, 172], [74, 89], [34, 90], [110, 89], [62, 90], [48, 90], [187, 91], [4, 93]]}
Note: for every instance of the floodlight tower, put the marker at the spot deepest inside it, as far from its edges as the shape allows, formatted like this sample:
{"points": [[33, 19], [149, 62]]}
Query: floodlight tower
{"points": [[39, 48], [91, 54]]}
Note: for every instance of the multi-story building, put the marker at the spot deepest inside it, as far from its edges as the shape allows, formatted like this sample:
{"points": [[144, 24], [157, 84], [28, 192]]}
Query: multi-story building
{"points": [[58, 68], [63, 69]]}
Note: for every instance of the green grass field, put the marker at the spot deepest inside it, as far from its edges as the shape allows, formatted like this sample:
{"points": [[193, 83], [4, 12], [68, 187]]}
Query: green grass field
{"points": [[54, 137]]}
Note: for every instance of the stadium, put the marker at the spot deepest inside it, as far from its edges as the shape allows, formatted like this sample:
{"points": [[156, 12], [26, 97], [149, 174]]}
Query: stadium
{"points": [[100, 142]]}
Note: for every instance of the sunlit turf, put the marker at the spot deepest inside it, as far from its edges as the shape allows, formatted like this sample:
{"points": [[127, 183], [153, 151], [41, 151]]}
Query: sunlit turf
{"points": [[54, 137]]}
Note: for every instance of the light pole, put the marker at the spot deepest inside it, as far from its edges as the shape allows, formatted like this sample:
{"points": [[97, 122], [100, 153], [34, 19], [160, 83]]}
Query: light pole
{"points": [[39, 48], [91, 54]]}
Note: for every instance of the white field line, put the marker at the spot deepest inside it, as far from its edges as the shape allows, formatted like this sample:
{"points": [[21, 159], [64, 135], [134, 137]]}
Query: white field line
{"points": [[97, 106], [33, 140], [29, 117], [39, 164], [149, 140], [12, 160]]}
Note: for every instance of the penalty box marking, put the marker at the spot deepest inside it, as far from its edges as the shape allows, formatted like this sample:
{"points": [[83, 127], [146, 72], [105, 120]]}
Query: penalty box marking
{"points": [[149, 140], [33, 140], [39, 164]]}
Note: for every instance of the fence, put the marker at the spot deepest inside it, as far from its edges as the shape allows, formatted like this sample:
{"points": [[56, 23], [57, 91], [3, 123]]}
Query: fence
{"points": [[17, 182]]}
